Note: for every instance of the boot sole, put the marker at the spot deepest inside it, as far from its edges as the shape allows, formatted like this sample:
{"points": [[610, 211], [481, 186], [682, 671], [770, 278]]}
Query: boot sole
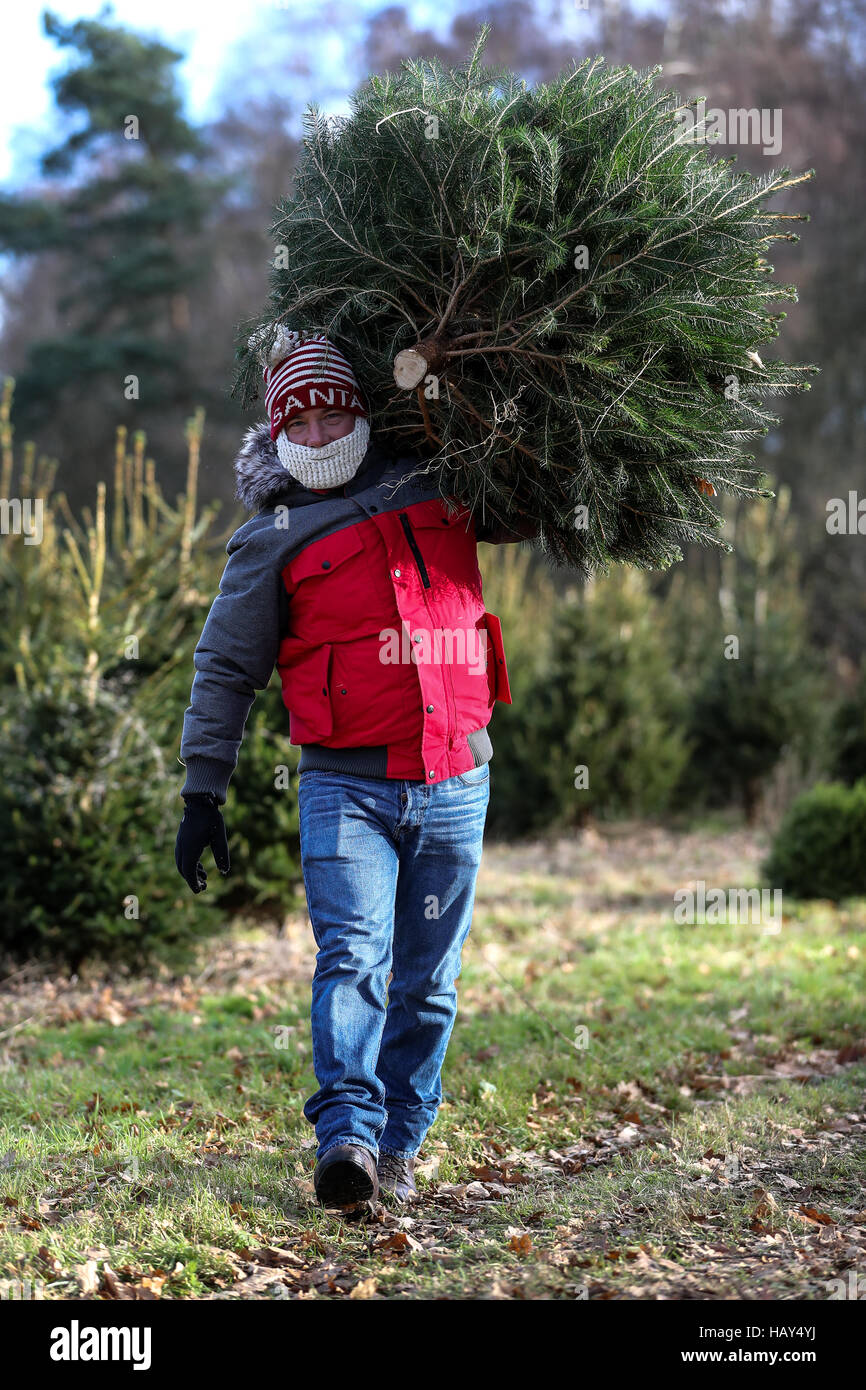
{"points": [[344, 1182]]}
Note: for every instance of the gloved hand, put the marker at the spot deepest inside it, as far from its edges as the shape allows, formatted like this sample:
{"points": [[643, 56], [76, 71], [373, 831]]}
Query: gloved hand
{"points": [[202, 825]]}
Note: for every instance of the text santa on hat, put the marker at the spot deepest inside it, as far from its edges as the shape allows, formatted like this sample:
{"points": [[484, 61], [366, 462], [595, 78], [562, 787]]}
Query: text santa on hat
{"points": [[304, 372]]}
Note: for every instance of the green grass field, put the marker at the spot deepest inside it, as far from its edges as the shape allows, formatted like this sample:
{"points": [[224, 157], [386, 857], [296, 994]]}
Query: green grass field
{"points": [[634, 1108]]}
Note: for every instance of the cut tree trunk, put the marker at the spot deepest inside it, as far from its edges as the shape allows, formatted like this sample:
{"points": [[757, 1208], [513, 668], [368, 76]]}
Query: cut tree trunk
{"points": [[411, 365]]}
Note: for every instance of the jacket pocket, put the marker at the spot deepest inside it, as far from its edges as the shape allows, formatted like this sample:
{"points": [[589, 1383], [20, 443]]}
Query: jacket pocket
{"points": [[307, 695], [320, 558], [497, 670]]}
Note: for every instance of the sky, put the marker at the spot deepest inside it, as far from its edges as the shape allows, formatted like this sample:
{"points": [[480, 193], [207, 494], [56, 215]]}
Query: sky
{"points": [[205, 30], [211, 33]]}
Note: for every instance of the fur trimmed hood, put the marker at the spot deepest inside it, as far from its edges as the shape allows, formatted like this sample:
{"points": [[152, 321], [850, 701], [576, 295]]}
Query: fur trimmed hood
{"points": [[259, 475]]}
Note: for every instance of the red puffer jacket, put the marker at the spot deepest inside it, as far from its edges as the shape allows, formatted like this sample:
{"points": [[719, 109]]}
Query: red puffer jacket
{"points": [[368, 599]]}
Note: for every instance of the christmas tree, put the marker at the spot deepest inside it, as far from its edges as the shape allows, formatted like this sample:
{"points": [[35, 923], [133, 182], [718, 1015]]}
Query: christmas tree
{"points": [[553, 297]]}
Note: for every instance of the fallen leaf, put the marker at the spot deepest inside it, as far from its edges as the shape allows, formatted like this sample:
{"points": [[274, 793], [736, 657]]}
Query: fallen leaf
{"points": [[87, 1278], [366, 1288], [485, 1173], [268, 1255], [398, 1240], [476, 1190], [112, 1285], [814, 1215], [150, 1286]]}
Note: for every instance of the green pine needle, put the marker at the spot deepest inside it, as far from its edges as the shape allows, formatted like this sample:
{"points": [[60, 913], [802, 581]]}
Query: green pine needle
{"points": [[453, 202]]}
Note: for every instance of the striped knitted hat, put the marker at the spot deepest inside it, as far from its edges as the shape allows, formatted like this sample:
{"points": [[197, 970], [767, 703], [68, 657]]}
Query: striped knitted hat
{"points": [[304, 372]]}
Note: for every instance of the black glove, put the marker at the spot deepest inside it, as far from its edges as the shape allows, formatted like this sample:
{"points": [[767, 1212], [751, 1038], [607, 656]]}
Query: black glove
{"points": [[202, 825]]}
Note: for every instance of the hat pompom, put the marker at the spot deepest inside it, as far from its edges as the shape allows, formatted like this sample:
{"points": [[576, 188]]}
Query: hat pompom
{"points": [[284, 341]]}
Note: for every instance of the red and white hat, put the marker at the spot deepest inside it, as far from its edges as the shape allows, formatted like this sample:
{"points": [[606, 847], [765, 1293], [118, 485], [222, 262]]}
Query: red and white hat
{"points": [[303, 372]]}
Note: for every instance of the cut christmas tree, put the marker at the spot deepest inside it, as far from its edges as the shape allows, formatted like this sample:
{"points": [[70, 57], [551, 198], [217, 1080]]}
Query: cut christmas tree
{"points": [[555, 298]]}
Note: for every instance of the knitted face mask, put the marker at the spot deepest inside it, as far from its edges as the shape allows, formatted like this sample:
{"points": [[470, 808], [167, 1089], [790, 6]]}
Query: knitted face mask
{"points": [[330, 465]]}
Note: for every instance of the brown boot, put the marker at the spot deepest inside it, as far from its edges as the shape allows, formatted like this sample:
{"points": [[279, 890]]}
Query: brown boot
{"points": [[346, 1174], [396, 1177]]}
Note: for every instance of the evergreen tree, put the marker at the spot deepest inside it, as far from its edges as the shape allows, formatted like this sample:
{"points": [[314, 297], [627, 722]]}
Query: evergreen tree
{"points": [[554, 295], [125, 231], [756, 689], [847, 735], [606, 719]]}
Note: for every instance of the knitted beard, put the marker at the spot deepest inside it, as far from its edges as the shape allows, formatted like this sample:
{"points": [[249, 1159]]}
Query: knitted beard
{"points": [[330, 465]]}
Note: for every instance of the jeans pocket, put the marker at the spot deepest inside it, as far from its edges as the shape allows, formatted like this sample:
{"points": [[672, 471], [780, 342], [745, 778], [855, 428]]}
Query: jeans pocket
{"points": [[474, 776]]}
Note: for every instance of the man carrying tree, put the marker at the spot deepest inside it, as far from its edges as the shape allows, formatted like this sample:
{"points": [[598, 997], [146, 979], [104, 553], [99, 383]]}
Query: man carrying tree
{"points": [[364, 590], [569, 300]]}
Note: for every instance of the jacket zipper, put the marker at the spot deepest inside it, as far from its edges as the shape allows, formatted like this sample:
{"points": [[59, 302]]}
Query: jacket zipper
{"points": [[425, 579], [410, 536]]}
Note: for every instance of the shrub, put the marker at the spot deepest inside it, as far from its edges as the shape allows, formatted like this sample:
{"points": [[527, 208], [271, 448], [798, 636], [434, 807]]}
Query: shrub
{"points": [[606, 699], [101, 620], [262, 817], [756, 688], [820, 848], [519, 591], [88, 821], [847, 735]]}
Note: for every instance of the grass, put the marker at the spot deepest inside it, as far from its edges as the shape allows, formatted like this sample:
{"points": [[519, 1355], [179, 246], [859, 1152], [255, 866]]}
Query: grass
{"points": [[703, 1139]]}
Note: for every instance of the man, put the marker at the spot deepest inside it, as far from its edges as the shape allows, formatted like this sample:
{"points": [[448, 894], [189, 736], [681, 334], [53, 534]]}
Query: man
{"points": [[365, 592]]}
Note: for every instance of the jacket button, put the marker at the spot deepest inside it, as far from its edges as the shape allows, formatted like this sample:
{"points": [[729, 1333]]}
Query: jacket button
{"points": [[417, 637], [431, 774], [429, 709], [344, 691], [326, 564], [324, 690], [396, 574], [374, 509]]}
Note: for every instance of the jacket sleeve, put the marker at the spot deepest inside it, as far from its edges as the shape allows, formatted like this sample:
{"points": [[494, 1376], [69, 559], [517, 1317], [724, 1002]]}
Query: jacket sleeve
{"points": [[235, 656]]}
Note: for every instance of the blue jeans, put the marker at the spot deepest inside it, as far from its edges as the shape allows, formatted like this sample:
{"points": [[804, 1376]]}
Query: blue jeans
{"points": [[389, 871]]}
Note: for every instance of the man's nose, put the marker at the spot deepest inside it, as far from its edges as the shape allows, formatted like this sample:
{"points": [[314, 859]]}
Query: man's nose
{"points": [[316, 435]]}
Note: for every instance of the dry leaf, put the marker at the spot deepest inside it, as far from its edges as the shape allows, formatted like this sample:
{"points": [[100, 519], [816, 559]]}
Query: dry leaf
{"points": [[451, 1189], [476, 1190], [87, 1278], [270, 1256], [399, 1240], [151, 1285], [112, 1285], [814, 1215], [366, 1288]]}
